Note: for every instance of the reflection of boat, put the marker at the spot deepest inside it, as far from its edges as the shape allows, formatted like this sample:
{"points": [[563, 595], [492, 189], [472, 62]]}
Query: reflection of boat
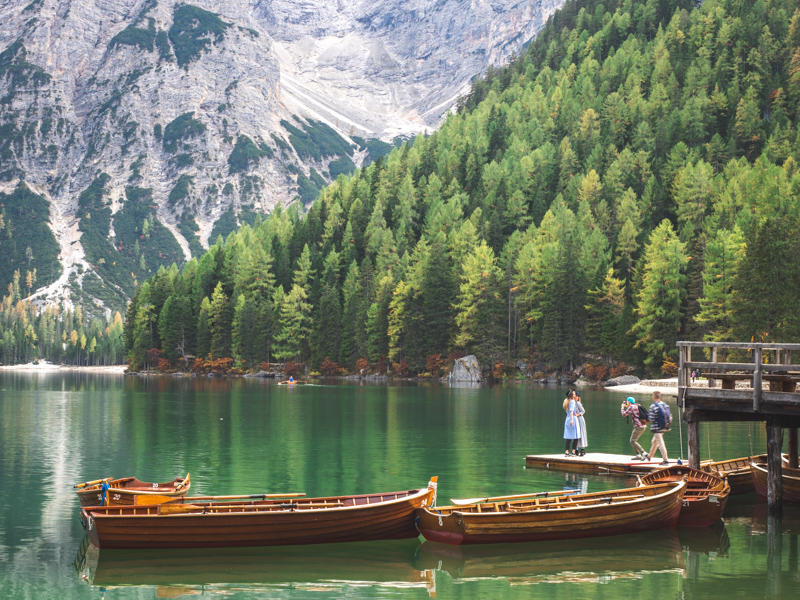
{"points": [[564, 560], [737, 470], [384, 564], [187, 524], [555, 517], [705, 496], [790, 481], [128, 491], [705, 540], [759, 519]]}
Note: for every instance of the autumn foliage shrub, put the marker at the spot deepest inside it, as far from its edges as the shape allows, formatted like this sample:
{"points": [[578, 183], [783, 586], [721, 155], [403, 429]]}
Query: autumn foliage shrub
{"points": [[401, 368], [596, 372], [292, 369], [434, 364], [619, 370], [330, 368], [362, 365], [164, 365], [669, 368], [199, 365], [220, 366]]}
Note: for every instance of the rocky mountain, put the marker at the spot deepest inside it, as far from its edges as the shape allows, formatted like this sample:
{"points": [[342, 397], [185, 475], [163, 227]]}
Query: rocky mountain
{"points": [[133, 132]]}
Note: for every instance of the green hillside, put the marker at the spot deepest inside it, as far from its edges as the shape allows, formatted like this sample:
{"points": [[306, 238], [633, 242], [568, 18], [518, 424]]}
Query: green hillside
{"points": [[630, 180]]}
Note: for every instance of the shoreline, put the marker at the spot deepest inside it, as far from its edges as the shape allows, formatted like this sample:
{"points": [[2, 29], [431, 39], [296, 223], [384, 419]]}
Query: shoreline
{"points": [[667, 387], [46, 367]]}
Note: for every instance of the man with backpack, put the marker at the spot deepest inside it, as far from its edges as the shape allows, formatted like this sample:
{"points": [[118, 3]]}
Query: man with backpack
{"points": [[660, 422], [639, 414]]}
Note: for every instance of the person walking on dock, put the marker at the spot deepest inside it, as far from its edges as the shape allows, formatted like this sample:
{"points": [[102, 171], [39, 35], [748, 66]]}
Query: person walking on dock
{"points": [[579, 412], [638, 414], [660, 422], [571, 426]]}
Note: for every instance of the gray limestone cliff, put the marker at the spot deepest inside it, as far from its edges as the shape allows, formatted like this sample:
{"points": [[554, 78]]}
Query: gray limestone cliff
{"points": [[178, 122]]}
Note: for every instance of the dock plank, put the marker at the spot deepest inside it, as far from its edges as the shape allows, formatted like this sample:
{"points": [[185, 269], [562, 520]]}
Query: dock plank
{"points": [[594, 462]]}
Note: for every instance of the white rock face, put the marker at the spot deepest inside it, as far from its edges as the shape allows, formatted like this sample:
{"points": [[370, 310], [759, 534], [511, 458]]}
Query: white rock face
{"points": [[370, 68], [466, 369]]}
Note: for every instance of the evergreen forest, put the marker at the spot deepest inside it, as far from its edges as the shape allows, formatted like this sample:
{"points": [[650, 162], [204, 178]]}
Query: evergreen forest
{"points": [[56, 334], [630, 180]]}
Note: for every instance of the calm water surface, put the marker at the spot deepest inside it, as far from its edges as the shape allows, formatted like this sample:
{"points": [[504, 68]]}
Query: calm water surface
{"points": [[246, 436]]}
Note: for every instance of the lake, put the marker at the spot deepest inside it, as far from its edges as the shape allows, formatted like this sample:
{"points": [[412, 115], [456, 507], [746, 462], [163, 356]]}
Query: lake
{"points": [[251, 436]]}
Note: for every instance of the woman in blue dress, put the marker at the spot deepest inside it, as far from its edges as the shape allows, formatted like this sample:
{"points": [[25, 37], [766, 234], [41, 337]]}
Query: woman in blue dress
{"points": [[572, 431]]}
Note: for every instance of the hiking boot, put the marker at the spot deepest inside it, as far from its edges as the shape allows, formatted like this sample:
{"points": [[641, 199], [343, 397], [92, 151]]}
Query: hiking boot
{"points": [[583, 451], [637, 457], [646, 457], [663, 463]]}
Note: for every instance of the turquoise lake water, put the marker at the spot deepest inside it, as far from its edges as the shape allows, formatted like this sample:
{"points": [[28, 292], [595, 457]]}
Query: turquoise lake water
{"points": [[251, 436]]}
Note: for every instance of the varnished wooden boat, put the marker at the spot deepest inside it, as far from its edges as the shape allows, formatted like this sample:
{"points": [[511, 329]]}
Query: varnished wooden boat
{"points": [[736, 470], [705, 496], [790, 481], [129, 491], [188, 524], [555, 518]]}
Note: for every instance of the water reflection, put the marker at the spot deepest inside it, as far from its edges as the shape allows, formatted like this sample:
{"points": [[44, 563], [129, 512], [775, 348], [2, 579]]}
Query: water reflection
{"points": [[627, 557], [322, 567]]}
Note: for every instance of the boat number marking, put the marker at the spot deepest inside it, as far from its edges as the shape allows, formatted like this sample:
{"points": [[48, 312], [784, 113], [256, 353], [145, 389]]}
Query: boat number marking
{"points": [[440, 521], [116, 496], [686, 503]]}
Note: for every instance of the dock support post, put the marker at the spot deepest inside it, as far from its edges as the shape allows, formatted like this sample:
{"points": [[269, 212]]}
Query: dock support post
{"points": [[793, 447], [774, 556], [693, 434], [774, 483], [757, 380]]}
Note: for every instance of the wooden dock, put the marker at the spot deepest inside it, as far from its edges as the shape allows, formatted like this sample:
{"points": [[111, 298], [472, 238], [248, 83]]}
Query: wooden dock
{"points": [[758, 365], [594, 462]]}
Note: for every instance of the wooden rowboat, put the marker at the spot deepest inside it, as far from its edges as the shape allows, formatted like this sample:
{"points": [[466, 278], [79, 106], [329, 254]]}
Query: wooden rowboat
{"points": [[790, 481], [185, 523], [705, 496], [129, 491], [555, 518], [736, 470]]}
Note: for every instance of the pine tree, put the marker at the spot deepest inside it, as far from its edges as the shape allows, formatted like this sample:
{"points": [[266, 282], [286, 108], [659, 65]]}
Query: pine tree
{"points": [[479, 309], [660, 299], [220, 319], [204, 329]]}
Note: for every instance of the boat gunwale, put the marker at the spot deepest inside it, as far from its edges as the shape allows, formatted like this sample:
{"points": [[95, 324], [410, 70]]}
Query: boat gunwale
{"points": [[95, 511], [142, 492], [762, 467], [543, 508]]}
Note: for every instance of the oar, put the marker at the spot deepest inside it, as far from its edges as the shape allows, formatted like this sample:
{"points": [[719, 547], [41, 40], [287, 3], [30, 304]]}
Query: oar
{"points": [[466, 501], [248, 497], [90, 483]]}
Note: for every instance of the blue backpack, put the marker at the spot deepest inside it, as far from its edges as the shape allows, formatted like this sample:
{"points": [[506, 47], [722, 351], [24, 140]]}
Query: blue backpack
{"points": [[664, 416]]}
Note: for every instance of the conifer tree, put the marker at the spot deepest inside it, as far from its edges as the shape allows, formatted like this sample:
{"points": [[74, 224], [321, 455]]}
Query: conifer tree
{"points": [[660, 299]]}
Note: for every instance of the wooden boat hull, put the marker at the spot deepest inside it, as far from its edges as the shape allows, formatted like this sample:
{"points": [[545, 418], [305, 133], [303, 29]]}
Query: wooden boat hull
{"points": [[659, 511], [705, 498], [129, 491], [737, 470], [790, 482], [262, 523]]}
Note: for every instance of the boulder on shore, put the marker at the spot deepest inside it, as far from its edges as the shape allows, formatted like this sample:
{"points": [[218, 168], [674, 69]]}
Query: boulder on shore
{"points": [[622, 380], [466, 369]]}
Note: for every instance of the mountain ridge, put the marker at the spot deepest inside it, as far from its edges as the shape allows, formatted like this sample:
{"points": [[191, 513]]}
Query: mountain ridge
{"points": [[96, 87]]}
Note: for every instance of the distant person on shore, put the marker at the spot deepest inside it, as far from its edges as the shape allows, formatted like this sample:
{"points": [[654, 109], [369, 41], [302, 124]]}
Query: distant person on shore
{"points": [[572, 432], [660, 422], [639, 416], [579, 412]]}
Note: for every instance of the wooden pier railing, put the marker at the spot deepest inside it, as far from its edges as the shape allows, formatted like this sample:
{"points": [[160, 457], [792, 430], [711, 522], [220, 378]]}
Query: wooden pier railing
{"points": [[768, 392]]}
